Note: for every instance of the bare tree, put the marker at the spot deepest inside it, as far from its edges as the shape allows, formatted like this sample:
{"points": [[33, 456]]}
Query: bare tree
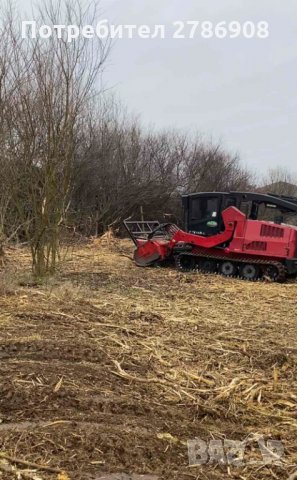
{"points": [[54, 81], [6, 91], [209, 168], [124, 169]]}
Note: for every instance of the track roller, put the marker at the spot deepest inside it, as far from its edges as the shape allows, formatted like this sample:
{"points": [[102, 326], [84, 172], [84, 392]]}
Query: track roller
{"points": [[228, 269], [250, 271], [208, 265]]}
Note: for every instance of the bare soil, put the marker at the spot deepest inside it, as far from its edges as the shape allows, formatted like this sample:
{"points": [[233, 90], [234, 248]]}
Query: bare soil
{"points": [[111, 369]]}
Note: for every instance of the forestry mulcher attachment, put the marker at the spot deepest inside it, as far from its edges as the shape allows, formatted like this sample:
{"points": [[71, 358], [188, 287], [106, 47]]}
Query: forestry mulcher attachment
{"points": [[223, 234]]}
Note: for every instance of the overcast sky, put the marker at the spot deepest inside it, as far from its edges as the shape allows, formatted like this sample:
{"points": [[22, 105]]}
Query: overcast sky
{"points": [[240, 91]]}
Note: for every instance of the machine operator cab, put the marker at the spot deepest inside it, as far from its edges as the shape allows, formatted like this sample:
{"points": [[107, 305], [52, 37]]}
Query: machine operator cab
{"points": [[203, 211]]}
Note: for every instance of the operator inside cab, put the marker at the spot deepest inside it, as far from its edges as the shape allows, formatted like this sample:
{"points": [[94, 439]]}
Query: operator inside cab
{"points": [[205, 216]]}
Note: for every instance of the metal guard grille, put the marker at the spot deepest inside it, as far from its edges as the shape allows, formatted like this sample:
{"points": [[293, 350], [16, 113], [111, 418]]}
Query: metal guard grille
{"points": [[271, 231]]}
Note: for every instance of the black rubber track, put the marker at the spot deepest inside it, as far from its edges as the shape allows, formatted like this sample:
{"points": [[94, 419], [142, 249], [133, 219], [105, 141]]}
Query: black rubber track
{"points": [[281, 271]]}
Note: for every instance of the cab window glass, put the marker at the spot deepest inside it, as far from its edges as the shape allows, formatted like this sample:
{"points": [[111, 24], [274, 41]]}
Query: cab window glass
{"points": [[205, 216]]}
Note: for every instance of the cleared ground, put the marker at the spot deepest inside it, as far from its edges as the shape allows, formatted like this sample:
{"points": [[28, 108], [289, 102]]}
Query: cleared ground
{"points": [[111, 368]]}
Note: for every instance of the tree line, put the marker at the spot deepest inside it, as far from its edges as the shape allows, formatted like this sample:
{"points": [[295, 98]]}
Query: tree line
{"points": [[72, 157]]}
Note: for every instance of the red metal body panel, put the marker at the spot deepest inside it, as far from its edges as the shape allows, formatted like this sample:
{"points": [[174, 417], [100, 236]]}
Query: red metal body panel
{"points": [[231, 217], [265, 239]]}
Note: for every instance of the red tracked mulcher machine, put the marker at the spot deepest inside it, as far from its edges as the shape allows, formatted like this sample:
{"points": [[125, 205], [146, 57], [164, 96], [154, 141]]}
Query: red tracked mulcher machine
{"points": [[223, 234]]}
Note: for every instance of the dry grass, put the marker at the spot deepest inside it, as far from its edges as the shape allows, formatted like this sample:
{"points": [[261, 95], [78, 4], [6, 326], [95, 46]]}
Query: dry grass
{"points": [[113, 368]]}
